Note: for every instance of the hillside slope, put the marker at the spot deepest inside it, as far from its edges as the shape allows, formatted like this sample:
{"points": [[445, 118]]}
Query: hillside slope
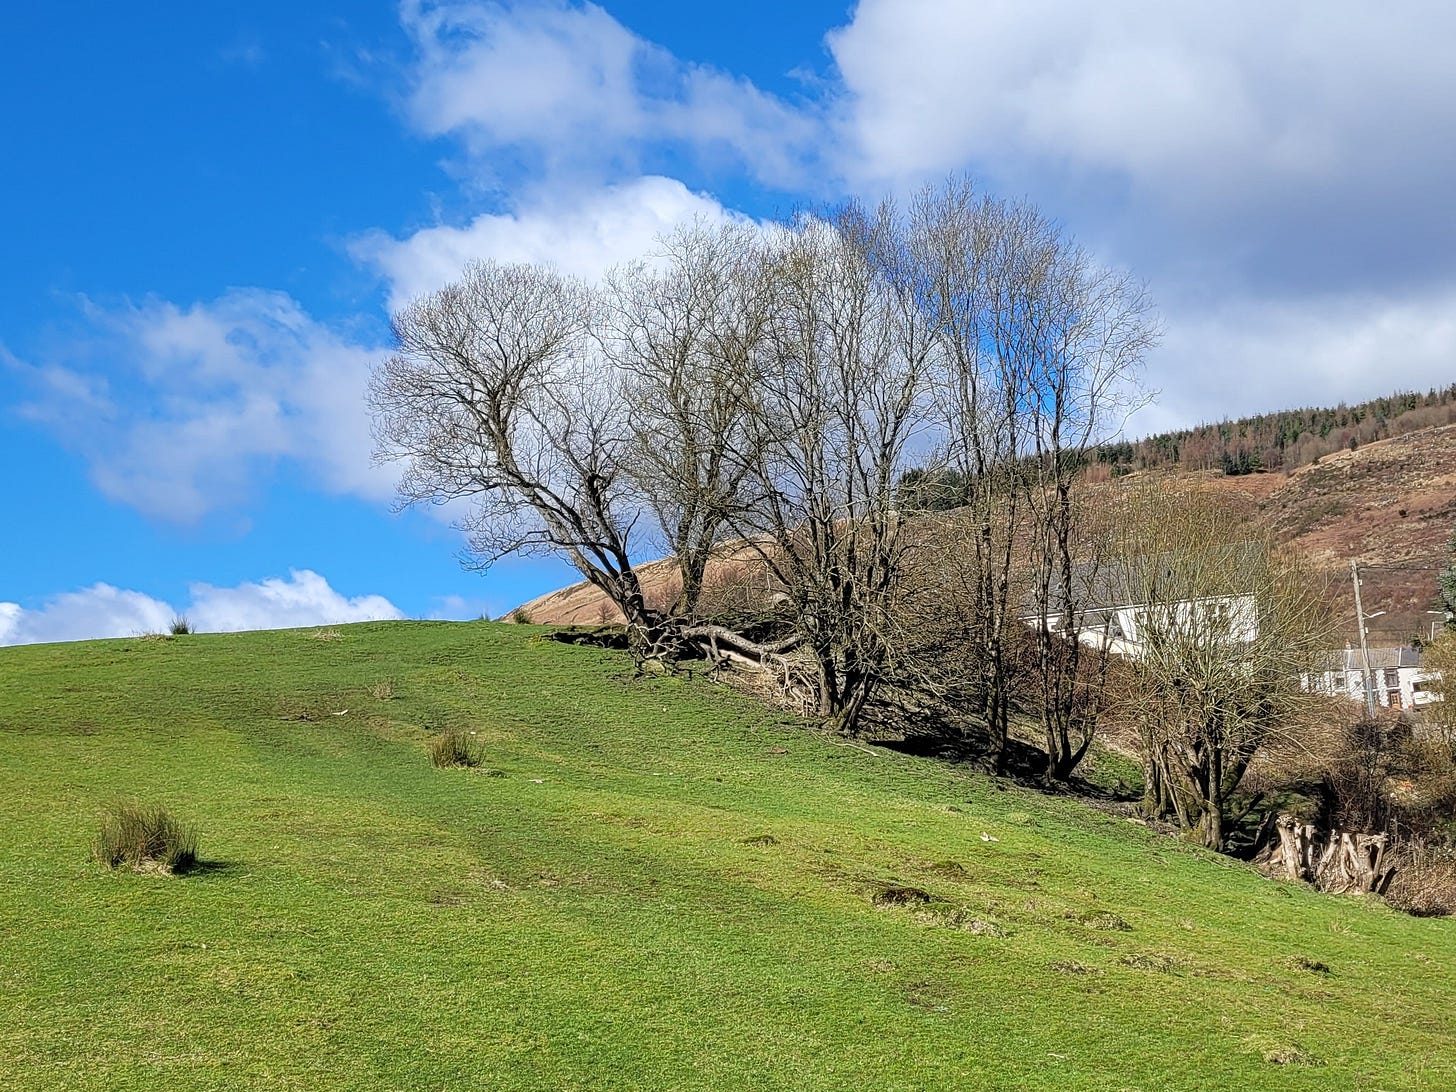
{"points": [[657, 885], [1391, 505]]}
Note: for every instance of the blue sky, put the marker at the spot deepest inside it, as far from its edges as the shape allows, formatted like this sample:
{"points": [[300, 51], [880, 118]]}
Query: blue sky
{"points": [[211, 208]]}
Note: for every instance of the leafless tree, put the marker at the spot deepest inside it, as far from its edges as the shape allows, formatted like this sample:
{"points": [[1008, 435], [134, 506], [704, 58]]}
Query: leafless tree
{"points": [[956, 237], [941, 682], [1040, 350], [838, 402], [496, 398], [1220, 628], [1079, 331], [686, 329]]}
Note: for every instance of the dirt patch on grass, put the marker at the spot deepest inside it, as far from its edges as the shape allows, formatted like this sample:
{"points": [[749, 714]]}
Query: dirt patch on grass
{"points": [[1148, 961], [1102, 920], [900, 895], [1291, 1055]]}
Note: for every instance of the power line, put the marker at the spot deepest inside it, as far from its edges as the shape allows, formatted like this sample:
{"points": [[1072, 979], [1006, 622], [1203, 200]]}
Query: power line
{"points": [[1402, 566]]}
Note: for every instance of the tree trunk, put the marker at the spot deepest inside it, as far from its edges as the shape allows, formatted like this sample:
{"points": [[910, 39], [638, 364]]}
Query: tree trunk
{"points": [[1209, 831], [853, 699]]}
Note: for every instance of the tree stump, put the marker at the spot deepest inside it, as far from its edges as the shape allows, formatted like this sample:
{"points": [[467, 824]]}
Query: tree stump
{"points": [[1340, 861]]}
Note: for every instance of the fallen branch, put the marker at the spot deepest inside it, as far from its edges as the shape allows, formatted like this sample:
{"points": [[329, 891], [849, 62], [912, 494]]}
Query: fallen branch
{"points": [[866, 750]]}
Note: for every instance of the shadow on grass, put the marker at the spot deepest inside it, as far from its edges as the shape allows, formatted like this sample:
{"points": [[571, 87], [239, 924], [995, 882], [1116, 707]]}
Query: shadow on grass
{"points": [[1023, 763], [205, 869]]}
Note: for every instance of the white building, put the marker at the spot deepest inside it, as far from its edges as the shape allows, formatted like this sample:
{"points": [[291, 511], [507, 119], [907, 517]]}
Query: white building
{"points": [[1114, 609], [1395, 676]]}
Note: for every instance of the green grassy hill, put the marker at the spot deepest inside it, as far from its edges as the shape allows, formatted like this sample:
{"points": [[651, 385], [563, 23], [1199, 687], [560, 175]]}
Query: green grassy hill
{"points": [[655, 885]]}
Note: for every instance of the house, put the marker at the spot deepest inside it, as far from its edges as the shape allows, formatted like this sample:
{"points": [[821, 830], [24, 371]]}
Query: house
{"points": [[1123, 606], [1395, 677]]}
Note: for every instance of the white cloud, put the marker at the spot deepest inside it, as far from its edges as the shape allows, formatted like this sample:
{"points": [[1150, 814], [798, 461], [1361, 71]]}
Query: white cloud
{"points": [[179, 409], [528, 74], [580, 234], [304, 599], [98, 611], [1242, 127], [1275, 170], [572, 88], [1162, 92]]}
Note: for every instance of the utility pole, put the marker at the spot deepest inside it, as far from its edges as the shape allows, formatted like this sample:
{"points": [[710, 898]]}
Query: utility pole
{"points": [[1364, 647]]}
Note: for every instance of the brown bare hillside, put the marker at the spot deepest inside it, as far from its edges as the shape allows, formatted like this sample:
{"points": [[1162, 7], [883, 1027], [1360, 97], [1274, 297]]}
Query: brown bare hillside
{"points": [[730, 578], [1391, 505]]}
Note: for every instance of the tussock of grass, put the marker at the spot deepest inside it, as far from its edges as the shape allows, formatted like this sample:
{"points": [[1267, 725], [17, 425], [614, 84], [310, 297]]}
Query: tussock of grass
{"points": [[181, 626], [1107, 922], [145, 837], [454, 747], [1071, 966]]}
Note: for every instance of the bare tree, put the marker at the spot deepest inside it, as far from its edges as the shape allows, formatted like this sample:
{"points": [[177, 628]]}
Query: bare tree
{"points": [[1219, 628], [686, 330], [1075, 332], [496, 399], [956, 237], [1040, 350], [942, 682], [838, 402]]}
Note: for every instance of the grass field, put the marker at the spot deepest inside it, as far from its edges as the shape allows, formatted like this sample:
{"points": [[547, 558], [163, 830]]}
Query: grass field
{"points": [[650, 884]]}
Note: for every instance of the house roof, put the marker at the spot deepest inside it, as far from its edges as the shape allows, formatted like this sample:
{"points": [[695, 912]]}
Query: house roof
{"points": [[1351, 659], [1111, 585]]}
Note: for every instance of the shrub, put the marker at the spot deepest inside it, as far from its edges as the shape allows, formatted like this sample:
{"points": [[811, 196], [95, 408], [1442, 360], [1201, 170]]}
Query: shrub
{"points": [[454, 747], [142, 837], [181, 626], [1425, 879]]}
